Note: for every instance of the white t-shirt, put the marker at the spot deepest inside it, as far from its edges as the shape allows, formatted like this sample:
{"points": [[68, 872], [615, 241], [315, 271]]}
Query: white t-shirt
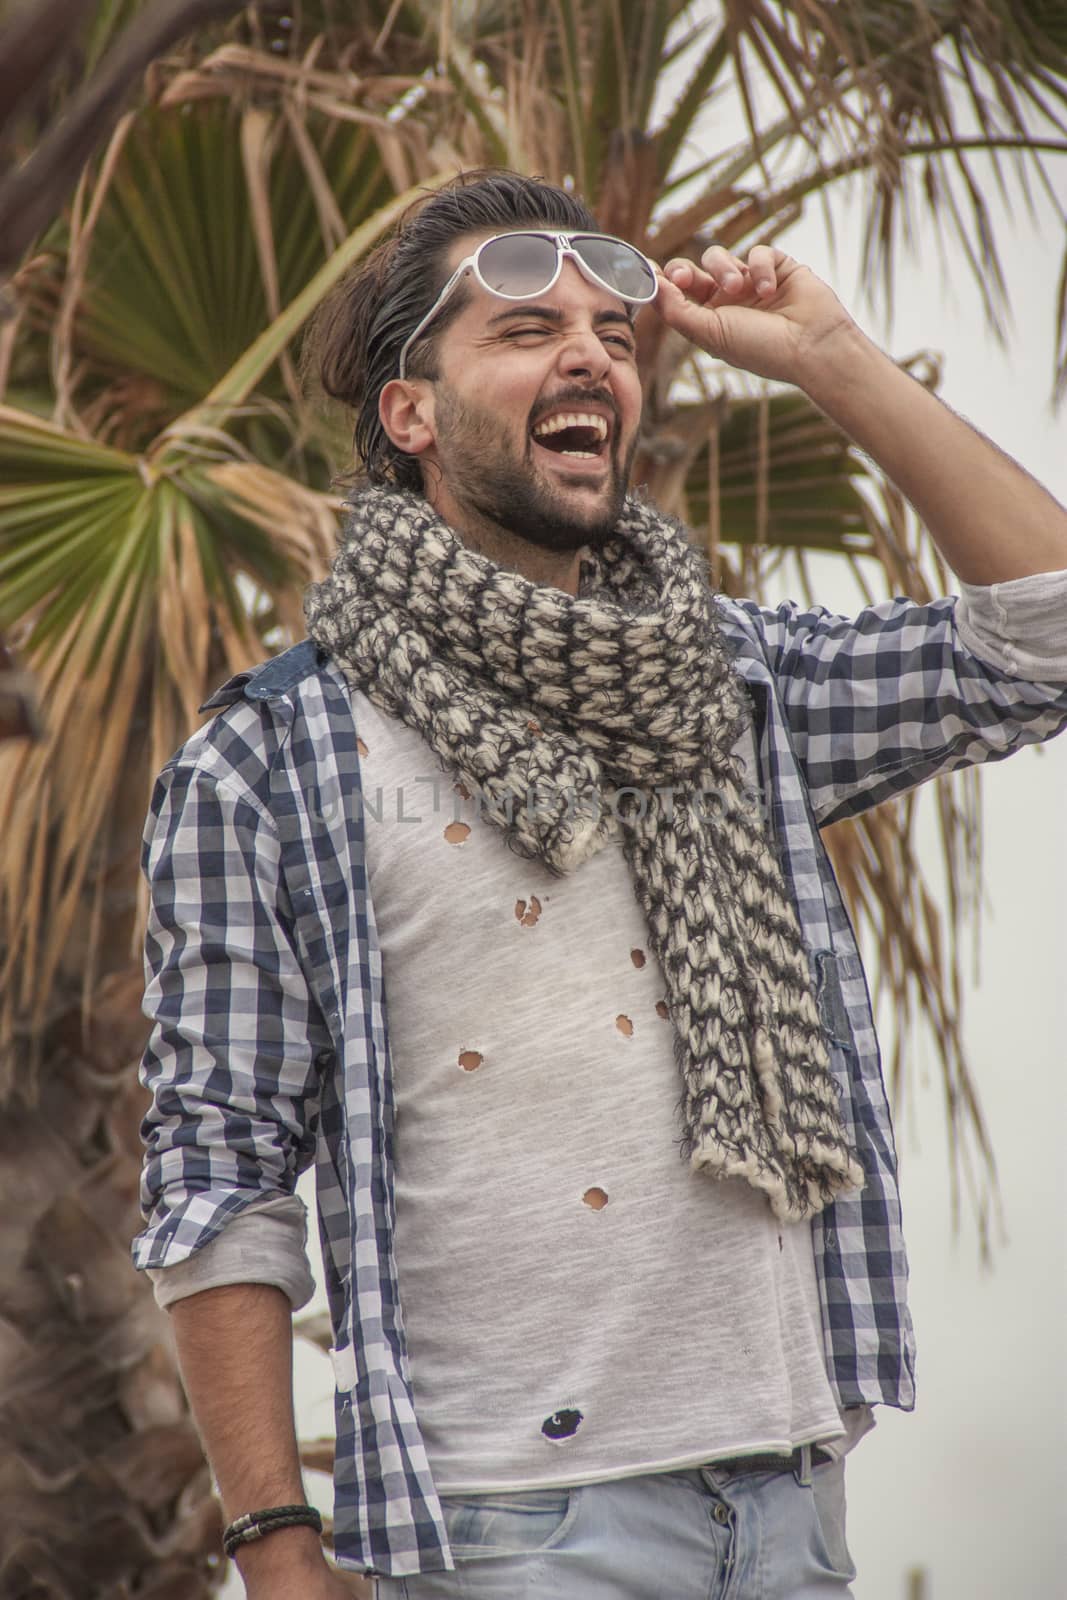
{"points": [[578, 1302]]}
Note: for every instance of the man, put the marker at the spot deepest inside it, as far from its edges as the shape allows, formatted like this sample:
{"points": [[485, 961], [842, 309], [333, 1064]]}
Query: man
{"points": [[532, 780]]}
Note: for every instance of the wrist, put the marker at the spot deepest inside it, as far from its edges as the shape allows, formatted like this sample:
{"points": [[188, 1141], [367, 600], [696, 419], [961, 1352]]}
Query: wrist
{"points": [[286, 1552], [836, 363]]}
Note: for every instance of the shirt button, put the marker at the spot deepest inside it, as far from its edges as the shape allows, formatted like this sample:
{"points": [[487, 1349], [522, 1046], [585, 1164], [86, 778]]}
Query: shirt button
{"points": [[720, 1513]]}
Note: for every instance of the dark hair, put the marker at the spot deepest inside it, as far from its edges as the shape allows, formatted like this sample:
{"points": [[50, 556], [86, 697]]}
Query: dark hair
{"points": [[355, 338]]}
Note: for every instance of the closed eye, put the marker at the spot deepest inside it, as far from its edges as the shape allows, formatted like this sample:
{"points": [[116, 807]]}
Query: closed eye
{"points": [[618, 343]]}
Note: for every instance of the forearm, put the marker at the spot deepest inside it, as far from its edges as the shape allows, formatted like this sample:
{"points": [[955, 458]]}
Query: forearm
{"points": [[235, 1347], [989, 518]]}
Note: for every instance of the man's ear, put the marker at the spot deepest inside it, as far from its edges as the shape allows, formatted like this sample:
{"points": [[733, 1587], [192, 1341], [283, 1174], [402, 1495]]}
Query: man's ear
{"points": [[405, 408]]}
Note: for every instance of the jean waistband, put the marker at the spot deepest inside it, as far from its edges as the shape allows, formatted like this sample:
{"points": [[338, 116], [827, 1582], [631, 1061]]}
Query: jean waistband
{"points": [[770, 1462]]}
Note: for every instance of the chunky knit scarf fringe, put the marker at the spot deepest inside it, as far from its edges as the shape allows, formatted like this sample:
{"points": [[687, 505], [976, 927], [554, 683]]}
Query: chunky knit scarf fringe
{"points": [[551, 706]]}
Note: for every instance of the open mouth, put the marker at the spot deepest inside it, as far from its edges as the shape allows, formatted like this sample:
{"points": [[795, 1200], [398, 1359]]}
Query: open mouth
{"points": [[580, 435]]}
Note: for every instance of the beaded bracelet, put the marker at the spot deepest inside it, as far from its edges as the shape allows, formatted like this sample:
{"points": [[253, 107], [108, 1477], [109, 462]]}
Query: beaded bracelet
{"points": [[257, 1524]]}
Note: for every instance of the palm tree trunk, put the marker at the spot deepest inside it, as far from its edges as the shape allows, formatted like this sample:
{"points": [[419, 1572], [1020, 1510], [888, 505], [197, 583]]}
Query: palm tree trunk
{"points": [[104, 1486]]}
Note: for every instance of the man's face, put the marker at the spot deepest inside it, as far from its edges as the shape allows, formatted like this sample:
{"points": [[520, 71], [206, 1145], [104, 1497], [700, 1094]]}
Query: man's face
{"points": [[536, 410]]}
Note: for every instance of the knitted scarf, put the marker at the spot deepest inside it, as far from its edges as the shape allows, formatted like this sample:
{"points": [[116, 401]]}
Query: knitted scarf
{"points": [[612, 718]]}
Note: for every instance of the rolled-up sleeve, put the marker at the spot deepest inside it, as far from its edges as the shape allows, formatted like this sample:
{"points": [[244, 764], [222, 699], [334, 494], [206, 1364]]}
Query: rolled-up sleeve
{"points": [[233, 1057], [267, 1243], [1019, 626]]}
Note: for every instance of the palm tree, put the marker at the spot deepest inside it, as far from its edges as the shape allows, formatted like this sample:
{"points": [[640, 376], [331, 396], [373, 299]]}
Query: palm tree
{"points": [[165, 496], [18, 704]]}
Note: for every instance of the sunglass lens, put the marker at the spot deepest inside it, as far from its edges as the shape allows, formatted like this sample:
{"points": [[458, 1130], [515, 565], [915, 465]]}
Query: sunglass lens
{"points": [[518, 264], [619, 265]]}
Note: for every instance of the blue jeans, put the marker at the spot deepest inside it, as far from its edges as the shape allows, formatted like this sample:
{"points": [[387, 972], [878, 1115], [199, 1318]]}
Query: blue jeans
{"points": [[701, 1534]]}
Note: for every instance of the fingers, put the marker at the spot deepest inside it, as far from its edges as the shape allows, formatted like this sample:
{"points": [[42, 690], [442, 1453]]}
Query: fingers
{"points": [[697, 286], [728, 276]]}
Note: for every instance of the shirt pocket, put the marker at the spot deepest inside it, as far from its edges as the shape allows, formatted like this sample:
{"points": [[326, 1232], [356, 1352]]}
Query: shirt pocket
{"points": [[525, 1522]]}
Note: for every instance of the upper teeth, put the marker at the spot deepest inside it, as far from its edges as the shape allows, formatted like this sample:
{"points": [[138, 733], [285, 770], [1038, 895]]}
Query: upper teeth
{"points": [[572, 419]]}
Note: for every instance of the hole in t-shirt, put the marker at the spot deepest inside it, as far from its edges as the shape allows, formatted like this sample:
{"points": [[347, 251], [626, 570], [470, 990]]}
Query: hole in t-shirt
{"points": [[661, 1009], [456, 832], [470, 1060], [361, 747], [528, 914], [561, 1424], [625, 1026], [637, 957], [596, 1199]]}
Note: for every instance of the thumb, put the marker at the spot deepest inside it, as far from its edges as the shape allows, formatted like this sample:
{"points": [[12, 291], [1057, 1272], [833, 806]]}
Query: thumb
{"points": [[701, 325]]}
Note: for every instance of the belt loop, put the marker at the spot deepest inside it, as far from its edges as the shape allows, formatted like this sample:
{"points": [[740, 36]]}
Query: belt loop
{"points": [[803, 1471]]}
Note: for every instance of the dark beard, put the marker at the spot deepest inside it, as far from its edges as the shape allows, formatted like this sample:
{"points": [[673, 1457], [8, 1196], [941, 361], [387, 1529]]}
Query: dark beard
{"points": [[508, 492]]}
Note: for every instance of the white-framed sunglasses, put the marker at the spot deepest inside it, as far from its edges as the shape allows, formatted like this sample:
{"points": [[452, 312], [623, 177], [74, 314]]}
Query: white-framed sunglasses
{"points": [[528, 261]]}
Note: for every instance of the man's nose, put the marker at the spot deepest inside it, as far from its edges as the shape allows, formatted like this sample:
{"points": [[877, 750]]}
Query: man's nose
{"points": [[582, 355]]}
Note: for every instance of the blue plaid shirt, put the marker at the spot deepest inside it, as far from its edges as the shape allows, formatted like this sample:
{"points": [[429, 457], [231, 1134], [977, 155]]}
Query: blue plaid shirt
{"points": [[269, 1048]]}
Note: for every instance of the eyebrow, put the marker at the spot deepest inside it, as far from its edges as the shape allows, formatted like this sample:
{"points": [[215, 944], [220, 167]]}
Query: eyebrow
{"points": [[555, 315]]}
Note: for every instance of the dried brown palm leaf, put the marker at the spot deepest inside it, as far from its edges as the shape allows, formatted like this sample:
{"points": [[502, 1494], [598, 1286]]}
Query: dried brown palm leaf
{"points": [[331, 221], [257, 129], [81, 233], [232, 64]]}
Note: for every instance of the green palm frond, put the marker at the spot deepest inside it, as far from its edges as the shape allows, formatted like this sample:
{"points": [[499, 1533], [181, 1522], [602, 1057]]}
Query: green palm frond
{"points": [[782, 475], [199, 232], [136, 580], [133, 590]]}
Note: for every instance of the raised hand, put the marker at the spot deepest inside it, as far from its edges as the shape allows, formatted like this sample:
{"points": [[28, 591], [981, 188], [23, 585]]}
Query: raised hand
{"points": [[768, 315]]}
